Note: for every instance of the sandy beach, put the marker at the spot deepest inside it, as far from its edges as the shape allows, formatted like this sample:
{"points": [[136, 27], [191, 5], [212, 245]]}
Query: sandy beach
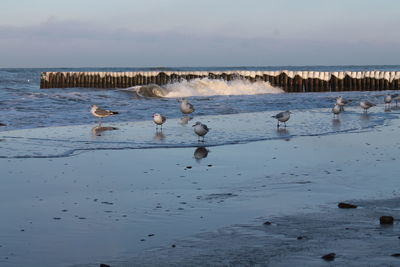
{"points": [[128, 197]]}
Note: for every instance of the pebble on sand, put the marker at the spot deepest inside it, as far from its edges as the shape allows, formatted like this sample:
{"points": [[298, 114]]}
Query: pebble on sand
{"points": [[386, 220], [329, 257], [104, 265], [343, 205], [267, 223]]}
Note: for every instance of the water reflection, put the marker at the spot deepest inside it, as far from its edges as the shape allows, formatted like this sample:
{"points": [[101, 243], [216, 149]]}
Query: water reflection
{"points": [[98, 130], [283, 132], [388, 108], [200, 153], [336, 123], [185, 120], [159, 136]]}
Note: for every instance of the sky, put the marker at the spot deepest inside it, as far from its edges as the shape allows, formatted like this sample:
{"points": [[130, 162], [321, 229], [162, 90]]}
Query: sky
{"points": [[187, 33]]}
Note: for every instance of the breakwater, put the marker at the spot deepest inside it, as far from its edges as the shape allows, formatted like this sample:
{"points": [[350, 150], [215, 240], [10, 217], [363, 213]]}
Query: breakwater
{"points": [[290, 81]]}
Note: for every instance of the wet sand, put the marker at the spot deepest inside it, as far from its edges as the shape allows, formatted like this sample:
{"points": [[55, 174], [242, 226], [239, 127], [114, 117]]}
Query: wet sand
{"points": [[135, 207]]}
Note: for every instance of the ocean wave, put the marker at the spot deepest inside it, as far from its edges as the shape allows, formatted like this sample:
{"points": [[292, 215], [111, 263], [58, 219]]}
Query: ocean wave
{"points": [[206, 87], [210, 87]]}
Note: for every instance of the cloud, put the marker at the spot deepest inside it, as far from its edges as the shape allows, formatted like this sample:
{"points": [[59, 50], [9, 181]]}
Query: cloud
{"points": [[56, 43]]}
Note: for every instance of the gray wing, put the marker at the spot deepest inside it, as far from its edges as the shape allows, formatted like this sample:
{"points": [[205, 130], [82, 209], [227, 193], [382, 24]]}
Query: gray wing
{"points": [[103, 112], [205, 127]]}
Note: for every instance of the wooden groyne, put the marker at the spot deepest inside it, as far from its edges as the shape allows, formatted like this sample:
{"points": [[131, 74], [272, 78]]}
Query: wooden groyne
{"points": [[290, 81]]}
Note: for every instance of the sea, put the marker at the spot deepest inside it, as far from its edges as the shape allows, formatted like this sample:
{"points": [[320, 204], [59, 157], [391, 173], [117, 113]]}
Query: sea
{"points": [[23, 105]]}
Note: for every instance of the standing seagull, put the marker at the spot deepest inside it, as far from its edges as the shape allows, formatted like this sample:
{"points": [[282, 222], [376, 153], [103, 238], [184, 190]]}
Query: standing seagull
{"points": [[340, 101], [366, 105], [336, 110], [201, 130], [101, 113], [282, 117], [388, 100], [159, 120], [186, 107]]}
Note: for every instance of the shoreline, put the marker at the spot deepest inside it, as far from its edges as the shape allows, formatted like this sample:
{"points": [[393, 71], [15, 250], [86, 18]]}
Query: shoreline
{"points": [[101, 204]]}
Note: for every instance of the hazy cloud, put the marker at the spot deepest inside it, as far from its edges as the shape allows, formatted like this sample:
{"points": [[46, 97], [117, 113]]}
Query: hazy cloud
{"points": [[56, 43]]}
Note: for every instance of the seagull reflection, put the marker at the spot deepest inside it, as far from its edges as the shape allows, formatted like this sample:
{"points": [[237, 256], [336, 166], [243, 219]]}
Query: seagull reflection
{"points": [[98, 130], [365, 117], [388, 108], [336, 123], [200, 153], [159, 136], [283, 132], [185, 120]]}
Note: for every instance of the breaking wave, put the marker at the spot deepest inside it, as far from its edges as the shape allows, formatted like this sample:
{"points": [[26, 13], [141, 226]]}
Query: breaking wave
{"points": [[207, 87]]}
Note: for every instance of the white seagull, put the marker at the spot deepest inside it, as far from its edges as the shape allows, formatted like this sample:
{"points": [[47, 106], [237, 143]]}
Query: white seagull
{"points": [[282, 117], [336, 110], [101, 113], [186, 107], [388, 99], [366, 105], [341, 102], [159, 120], [200, 129]]}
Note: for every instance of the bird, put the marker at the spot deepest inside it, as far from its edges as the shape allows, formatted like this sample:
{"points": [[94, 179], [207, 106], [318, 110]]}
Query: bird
{"points": [[282, 117], [366, 105], [159, 120], [336, 110], [101, 113], [200, 129], [340, 101], [388, 99], [186, 107]]}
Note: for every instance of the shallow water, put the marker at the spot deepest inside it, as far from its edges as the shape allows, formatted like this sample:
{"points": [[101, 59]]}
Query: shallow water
{"points": [[23, 105], [225, 129]]}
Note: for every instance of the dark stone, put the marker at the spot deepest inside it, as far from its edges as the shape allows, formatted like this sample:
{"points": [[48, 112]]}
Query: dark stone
{"points": [[300, 237], [396, 255], [56, 218], [150, 235], [188, 167], [209, 165], [386, 220], [267, 223], [173, 245], [2, 124], [343, 205], [329, 257], [104, 265]]}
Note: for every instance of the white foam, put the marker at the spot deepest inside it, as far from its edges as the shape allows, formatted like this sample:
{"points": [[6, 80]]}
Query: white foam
{"points": [[208, 87]]}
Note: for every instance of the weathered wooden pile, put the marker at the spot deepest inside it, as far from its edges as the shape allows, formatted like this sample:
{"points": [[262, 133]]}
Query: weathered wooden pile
{"points": [[290, 81]]}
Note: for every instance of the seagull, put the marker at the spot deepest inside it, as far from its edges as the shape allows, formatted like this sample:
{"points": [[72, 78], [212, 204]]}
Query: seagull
{"points": [[200, 129], [186, 107], [366, 105], [341, 102], [336, 110], [282, 117], [159, 119], [101, 113], [388, 99]]}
